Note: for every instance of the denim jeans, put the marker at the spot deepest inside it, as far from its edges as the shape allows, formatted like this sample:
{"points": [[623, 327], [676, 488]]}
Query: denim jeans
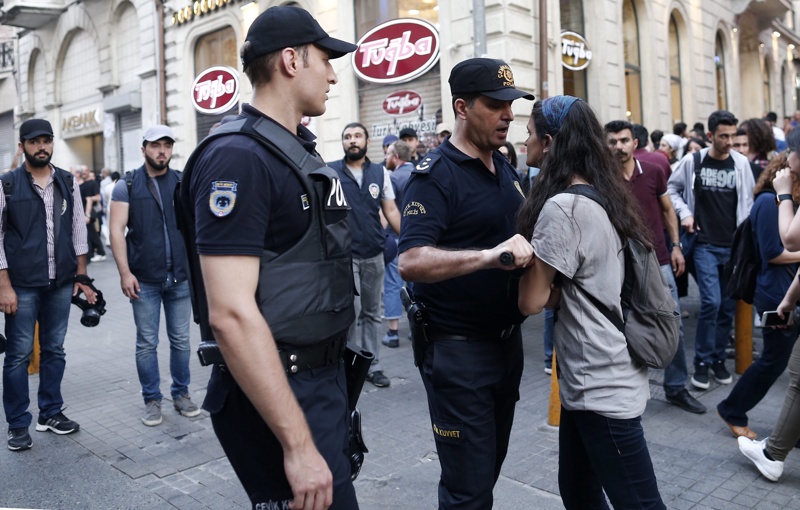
{"points": [[50, 307], [368, 276], [715, 319], [676, 373], [549, 324], [146, 316], [392, 283], [597, 454], [759, 377]]}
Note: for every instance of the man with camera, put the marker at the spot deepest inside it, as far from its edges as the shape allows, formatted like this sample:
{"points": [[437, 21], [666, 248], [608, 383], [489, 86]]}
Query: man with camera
{"points": [[42, 251], [153, 270]]}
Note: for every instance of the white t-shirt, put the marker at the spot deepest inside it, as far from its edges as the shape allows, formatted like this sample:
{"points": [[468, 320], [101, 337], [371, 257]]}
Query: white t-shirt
{"points": [[574, 235]]}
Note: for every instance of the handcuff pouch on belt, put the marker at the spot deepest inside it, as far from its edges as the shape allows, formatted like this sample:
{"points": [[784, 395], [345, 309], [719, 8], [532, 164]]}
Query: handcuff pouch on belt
{"points": [[417, 322]]}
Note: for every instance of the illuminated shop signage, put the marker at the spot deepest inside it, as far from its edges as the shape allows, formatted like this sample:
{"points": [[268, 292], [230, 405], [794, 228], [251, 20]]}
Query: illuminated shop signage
{"points": [[195, 9], [401, 102], [215, 90], [575, 52], [397, 51]]}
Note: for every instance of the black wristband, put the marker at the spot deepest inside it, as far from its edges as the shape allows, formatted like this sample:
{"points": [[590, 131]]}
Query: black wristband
{"points": [[784, 196]]}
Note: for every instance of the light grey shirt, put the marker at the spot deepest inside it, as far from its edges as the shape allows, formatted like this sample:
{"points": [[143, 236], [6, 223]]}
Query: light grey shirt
{"points": [[574, 235]]}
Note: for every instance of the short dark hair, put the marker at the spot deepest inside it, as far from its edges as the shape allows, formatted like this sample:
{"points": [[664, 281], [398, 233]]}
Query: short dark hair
{"points": [[115, 176], [468, 98], [640, 133], [679, 128], [771, 117], [740, 132], [261, 69], [698, 126], [656, 136], [356, 125], [721, 118], [615, 126]]}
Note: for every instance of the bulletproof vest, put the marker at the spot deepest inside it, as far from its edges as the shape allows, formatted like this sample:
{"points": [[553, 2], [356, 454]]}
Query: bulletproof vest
{"points": [[306, 293], [365, 223], [148, 211], [25, 221]]}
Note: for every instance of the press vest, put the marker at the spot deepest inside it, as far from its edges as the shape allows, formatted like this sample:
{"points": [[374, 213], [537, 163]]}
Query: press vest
{"points": [[365, 223], [306, 293], [147, 212], [25, 240]]}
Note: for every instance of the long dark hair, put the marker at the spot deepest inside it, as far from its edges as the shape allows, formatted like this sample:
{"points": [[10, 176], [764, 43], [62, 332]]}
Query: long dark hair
{"points": [[579, 149]]}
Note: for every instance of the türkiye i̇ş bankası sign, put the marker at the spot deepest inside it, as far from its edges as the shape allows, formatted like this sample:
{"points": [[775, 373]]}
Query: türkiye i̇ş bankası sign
{"points": [[397, 51], [215, 90], [575, 52]]}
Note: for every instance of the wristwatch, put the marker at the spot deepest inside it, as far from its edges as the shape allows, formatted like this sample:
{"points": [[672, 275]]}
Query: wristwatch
{"points": [[677, 245], [783, 196]]}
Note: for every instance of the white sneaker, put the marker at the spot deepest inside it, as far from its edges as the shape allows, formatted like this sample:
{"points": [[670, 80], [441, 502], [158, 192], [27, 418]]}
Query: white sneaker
{"points": [[97, 258], [754, 450]]}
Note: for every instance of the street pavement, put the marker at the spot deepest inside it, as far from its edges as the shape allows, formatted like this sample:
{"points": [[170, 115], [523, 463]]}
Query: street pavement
{"points": [[115, 461]]}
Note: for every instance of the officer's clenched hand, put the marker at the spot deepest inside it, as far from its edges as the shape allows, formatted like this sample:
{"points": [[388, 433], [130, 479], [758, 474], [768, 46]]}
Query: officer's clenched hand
{"points": [[130, 285], [519, 248], [309, 477], [8, 299]]}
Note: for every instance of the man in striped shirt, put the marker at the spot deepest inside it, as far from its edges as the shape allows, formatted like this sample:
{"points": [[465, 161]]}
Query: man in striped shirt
{"points": [[42, 249]]}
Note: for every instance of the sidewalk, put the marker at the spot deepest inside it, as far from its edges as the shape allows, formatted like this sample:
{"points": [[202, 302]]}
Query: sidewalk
{"points": [[117, 462]]}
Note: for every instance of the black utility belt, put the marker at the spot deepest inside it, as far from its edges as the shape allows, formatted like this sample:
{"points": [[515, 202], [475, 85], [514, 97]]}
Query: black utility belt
{"points": [[435, 334], [298, 359]]}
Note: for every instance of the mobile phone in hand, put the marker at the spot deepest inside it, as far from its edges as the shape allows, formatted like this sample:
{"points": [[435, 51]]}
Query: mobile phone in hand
{"points": [[773, 319]]}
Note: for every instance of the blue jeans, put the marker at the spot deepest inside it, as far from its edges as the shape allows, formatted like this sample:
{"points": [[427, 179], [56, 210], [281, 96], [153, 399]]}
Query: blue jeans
{"points": [[368, 276], [675, 374], [715, 319], [549, 324], [50, 307], [392, 283], [597, 454], [146, 316]]}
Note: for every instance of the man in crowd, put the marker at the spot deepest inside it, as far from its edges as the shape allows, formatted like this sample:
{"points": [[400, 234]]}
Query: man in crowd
{"points": [[151, 259], [90, 194], [409, 135], [459, 216], [368, 189], [443, 130], [387, 141], [649, 186], [42, 249], [711, 201], [641, 153]]}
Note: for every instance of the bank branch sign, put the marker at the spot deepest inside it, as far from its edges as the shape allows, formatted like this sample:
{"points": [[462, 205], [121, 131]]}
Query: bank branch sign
{"points": [[397, 51], [575, 52], [215, 90]]}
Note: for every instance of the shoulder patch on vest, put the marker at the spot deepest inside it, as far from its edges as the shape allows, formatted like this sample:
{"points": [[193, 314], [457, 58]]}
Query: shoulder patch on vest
{"points": [[424, 166], [222, 198]]}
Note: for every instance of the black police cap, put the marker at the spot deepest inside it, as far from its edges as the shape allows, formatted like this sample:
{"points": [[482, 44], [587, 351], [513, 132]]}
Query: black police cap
{"points": [[486, 76]]}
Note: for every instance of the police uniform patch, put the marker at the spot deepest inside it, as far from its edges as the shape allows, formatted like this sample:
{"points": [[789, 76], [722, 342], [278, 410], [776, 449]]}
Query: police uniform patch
{"points": [[222, 198], [413, 209], [374, 190], [519, 188], [304, 202], [424, 166]]}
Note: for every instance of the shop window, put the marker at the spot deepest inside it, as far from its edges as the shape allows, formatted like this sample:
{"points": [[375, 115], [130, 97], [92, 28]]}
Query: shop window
{"points": [[633, 72], [719, 63], [572, 20], [675, 70], [215, 49], [370, 13]]}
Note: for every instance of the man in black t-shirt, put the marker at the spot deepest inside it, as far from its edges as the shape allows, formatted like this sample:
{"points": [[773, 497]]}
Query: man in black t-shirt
{"points": [[711, 202], [90, 195]]}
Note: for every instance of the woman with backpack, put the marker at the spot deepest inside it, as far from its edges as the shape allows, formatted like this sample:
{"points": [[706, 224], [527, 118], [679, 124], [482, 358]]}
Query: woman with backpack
{"points": [[579, 249], [775, 274]]}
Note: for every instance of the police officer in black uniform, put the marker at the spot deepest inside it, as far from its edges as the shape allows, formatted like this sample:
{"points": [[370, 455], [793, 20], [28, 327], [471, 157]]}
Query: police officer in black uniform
{"points": [[459, 216], [274, 249]]}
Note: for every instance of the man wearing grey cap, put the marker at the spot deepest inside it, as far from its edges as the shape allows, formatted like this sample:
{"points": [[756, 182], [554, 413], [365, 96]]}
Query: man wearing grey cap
{"points": [[459, 212], [42, 249], [273, 254], [151, 260]]}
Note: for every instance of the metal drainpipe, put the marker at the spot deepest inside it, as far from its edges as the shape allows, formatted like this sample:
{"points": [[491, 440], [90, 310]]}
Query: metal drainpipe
{"points": [[162, 64], [479, 27], [543, 85]]}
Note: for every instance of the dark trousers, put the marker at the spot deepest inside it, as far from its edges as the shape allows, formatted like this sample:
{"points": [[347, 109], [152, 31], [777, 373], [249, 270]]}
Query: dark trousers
{"points": [[756, 381], [93, 239], [597, 454], [257, 456], [473, 388]]}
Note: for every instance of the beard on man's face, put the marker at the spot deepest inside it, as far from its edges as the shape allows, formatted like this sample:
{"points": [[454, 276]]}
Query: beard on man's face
{"points": [[155, 165], [37, 162], [355, 155]]}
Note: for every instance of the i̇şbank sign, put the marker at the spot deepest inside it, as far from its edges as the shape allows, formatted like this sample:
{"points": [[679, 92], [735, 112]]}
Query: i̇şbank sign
{"points": [[397, 51]]}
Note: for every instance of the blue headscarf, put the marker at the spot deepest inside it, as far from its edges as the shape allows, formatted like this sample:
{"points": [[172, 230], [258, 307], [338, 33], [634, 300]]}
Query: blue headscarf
{"points": [[555, 110]]}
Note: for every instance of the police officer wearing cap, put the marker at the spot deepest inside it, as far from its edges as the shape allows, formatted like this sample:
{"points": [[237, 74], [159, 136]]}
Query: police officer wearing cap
{"points": [[459, 214], [267, 230]]}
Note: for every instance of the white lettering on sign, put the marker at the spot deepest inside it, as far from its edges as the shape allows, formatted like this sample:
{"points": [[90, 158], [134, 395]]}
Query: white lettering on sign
{"points": [[393, 51], [574, 49], [401, 103], [213, 89]]}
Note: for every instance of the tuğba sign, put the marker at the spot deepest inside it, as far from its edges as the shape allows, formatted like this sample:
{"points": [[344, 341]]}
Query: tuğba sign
{"points": [[397, 51], [401, 102], [215, 90]]}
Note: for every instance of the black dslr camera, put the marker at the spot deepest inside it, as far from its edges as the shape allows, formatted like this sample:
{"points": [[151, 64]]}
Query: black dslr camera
{"points": [[91, 312]]}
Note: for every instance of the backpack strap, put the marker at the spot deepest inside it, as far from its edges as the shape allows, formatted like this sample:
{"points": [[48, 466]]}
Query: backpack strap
{"points": [[8, 188]]}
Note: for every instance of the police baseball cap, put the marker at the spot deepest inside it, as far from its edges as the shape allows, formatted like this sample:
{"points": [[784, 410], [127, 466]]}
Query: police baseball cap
{"points": [[285, 27], [389, 140], [486, 76], [156, 133], [32, 128], [408, 132]]}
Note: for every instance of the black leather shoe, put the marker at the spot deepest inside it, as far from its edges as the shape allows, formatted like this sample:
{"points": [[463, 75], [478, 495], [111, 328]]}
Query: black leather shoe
{"points": [[378, 379], [686, 402]]}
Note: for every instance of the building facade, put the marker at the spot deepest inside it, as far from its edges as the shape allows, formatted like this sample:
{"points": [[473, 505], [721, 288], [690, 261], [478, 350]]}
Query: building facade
{"points": [[101, 70]]}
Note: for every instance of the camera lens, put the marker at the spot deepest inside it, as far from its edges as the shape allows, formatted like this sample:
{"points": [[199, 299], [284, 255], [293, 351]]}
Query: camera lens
{"points": [[90, 318]]}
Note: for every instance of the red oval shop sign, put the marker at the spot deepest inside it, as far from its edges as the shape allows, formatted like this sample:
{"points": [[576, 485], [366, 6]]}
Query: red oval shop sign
{"points": [[402, 102], [397, 51], [215, 90]]}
